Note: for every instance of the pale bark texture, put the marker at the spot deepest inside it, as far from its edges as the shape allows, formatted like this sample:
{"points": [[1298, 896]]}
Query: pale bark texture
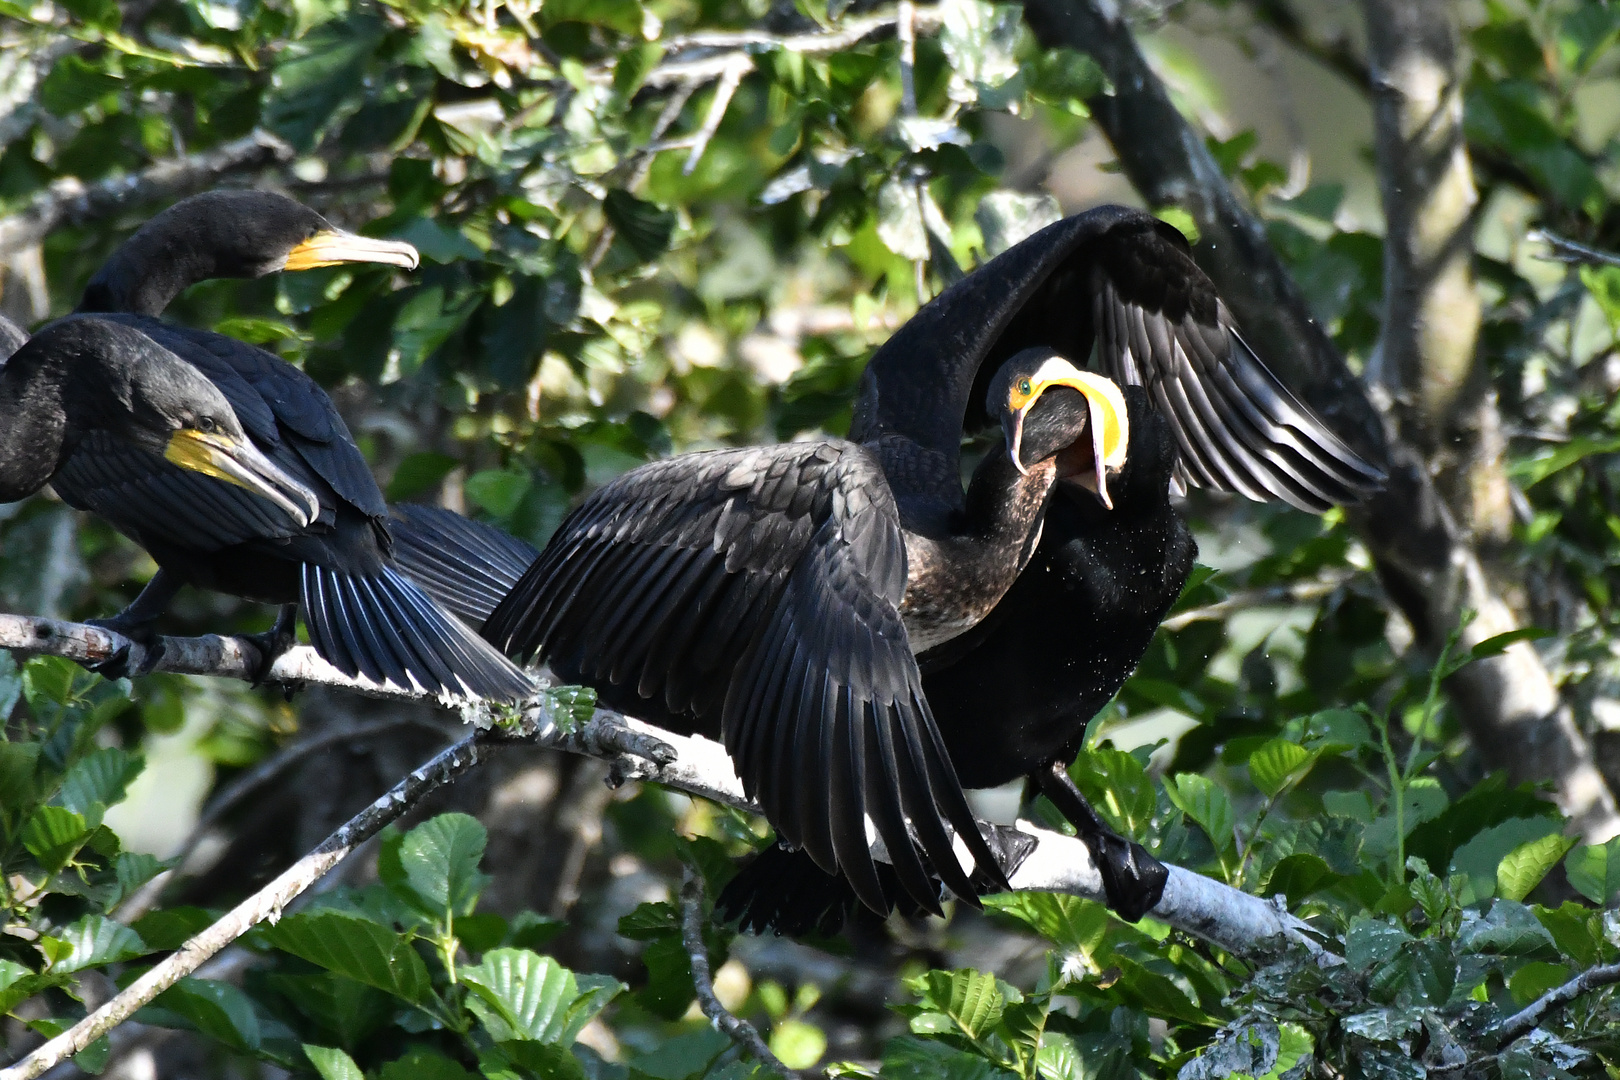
{"points": [[1428, 564]]}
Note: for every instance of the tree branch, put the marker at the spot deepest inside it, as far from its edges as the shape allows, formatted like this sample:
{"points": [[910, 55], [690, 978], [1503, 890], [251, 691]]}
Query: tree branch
{"points": [[267, 903], [1426, 562], [1521, 1023], [1229, 919], [69, 202], [734, 1028]]}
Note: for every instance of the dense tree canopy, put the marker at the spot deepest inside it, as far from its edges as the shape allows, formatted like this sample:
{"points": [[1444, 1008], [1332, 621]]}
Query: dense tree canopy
{"points": [[649, 226]]}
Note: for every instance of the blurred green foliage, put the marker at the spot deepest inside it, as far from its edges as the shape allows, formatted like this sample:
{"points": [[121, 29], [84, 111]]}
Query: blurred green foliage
{"points": [[619, 263]]}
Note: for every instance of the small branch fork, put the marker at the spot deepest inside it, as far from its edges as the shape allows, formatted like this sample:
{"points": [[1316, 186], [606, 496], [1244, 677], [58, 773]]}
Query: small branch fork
{"points": [[733, 1027], [1229, 919]]}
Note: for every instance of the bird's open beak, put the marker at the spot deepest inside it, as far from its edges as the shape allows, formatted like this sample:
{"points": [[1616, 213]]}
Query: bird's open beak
{"points": [[241, 463], [1109, 426], [329, 247]]}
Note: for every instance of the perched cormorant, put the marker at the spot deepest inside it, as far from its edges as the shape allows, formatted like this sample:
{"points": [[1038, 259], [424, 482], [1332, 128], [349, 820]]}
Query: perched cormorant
{"points": [[364, 616], [83, 378], [226, 234], [774, 597], [1012, 697]]}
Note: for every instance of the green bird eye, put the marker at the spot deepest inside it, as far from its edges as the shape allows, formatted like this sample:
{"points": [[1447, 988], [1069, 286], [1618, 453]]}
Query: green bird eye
{"points": [[1023, 386]]}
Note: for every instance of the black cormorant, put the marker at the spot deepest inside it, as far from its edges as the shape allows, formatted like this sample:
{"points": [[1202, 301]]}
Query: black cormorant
{"points": [[773, 597], [363, 615], [84, 378], [226, 234], [1012, 697]]}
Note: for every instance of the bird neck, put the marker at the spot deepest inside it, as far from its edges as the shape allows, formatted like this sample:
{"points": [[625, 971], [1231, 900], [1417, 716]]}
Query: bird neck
{"points": [[145, 274], [953, 581], [33, 425]]}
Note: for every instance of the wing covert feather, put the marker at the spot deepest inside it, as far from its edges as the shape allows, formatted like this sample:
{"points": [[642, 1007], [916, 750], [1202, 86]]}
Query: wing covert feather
{"points": [[757, 591]]}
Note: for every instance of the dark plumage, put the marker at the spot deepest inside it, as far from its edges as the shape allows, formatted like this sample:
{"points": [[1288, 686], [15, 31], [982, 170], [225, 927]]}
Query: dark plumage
{"points": [[226, 234], [364, 616], [1013, 695], [771, 596]]}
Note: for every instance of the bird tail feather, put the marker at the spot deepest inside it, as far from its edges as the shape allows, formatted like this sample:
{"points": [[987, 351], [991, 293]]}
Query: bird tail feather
{"points": [[383, 627], [466, 565]]}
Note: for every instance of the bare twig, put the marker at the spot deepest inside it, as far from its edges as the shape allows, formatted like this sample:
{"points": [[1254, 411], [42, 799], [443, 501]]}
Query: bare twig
{"points": [[256, 778], [737, 65], [1299, 592], [69, 201], [264, 904], [1520, 1023], [1565, 250], [732, 1027], [906, 30]]}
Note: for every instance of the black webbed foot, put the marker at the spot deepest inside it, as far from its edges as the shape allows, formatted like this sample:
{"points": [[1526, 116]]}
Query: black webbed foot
{"points": [[272, 643], [1009, 846], [1133, 880], [117, 666]]}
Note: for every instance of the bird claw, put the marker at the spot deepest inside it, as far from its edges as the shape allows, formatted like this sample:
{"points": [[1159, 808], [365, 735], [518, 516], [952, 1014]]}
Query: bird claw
{"points": [[636, 755], [1133, 880], [1010, 847], [117, 666], [268, 647]]}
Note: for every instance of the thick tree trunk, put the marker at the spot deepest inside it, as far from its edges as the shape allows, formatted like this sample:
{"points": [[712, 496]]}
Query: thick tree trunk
{"points": [[1429, 566]]}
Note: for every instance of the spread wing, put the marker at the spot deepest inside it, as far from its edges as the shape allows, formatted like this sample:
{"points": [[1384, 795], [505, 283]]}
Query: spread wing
{"points": [[1125, 282], [1160, 325], [760, 588]]}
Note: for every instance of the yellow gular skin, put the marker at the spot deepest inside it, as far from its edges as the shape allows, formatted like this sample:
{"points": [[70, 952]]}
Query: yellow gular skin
{"points": [[330, 247]]}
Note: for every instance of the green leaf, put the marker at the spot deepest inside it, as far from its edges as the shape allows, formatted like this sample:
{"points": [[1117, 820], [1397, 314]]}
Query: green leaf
{"points": [[683, 1056], [625, 16], [219, 1010], [1507, 929], [1115, 783], [1279, 764], [1206, 803], [1554, 459], [437, 869], [911, 1058], [357, 947], [520, 995], [438, 242], [799, 1045], [498, 490], [1594, 871], [1481, 856], [542, 1061], [332, 1063], [971, 999], [640, 224], [96, 941], [1603, 284], [1298, 876], [419, 473], [1523, 868], [1496, 646], [424, 1063], [53, 835], [314, 76], [73, 83], [1062, 919], [98, 780]]}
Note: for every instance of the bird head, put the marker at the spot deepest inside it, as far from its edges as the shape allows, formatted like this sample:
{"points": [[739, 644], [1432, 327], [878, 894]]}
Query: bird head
{"points": [[227, 234], [1049, 407], [125, 383]]}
